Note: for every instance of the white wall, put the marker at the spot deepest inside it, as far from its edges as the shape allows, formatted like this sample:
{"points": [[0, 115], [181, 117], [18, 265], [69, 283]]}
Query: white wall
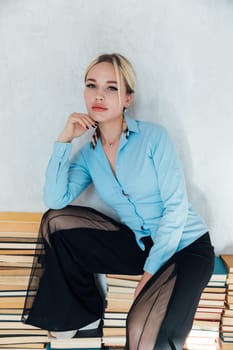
{"points": [[182, 52]]}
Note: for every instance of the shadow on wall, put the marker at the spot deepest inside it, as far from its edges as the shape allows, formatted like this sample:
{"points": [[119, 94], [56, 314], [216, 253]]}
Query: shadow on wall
{"points": [[228, 249]]}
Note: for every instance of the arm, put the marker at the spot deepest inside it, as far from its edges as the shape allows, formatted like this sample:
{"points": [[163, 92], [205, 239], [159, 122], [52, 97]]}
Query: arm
{"points": [[65, 180], [145, 278], [172, 188]]}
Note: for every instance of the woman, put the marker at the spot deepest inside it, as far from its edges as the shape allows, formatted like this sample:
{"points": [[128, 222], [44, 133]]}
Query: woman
{"points": [[134, 168]]}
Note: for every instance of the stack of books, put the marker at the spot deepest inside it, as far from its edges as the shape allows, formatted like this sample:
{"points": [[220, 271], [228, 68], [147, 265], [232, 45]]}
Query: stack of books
{"points": [[120, 295], [205, 330], [226, 330], [18, 236]]}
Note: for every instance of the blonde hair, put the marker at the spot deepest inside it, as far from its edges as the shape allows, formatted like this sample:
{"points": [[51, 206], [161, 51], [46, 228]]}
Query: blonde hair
{"points": [[123, 69]]}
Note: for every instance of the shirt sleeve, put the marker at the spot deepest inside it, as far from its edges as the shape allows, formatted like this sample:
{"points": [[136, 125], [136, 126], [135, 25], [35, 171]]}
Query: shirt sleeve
{"points": [[64, 180], [173, 194]]}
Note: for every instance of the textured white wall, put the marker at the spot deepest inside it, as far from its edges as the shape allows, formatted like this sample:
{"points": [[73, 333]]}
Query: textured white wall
{"points": [[182, 52]]}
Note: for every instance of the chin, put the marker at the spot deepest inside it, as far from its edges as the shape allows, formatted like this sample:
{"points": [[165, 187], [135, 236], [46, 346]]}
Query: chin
{"points": [[99, 117]]}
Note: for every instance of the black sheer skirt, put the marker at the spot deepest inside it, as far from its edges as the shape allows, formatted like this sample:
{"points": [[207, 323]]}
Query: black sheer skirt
{"points": [[77, 243]]}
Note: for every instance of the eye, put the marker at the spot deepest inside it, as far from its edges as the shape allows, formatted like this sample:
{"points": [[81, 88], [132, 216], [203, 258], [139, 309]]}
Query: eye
{"points": [[90, 86], [112, 88]]}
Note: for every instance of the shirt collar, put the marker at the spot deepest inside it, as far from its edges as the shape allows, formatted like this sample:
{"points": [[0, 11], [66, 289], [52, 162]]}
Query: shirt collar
{"points": [[129, 125], [132, 124]]}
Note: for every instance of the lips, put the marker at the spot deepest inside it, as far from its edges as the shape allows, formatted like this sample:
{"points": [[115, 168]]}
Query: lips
{"points": [[99, 108]]}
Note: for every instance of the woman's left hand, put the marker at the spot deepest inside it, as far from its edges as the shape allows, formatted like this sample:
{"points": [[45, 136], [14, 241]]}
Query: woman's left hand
{"points": [[145, 278]]}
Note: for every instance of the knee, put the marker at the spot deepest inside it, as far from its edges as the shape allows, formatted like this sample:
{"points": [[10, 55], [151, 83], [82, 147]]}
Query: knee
{"points": [[62, 219], [52, 220]]}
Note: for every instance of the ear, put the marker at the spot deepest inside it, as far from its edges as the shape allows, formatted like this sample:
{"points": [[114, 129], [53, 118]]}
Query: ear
{"points": [[128, 100]]}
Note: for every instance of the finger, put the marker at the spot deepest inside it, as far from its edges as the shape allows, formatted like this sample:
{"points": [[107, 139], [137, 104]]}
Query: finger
{"points": [[83, 123], [89, 120], [85, 120]]}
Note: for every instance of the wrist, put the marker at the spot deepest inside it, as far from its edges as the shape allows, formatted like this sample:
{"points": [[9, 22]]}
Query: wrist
{"points": [[64, 140], [146, 276]]}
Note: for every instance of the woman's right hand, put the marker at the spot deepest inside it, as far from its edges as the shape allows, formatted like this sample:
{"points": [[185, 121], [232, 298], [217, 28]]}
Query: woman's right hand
{"points": [[76, 125]]}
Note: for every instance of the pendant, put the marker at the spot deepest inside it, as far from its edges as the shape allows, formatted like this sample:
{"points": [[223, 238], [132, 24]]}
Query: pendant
{"points": [[111, 144]]}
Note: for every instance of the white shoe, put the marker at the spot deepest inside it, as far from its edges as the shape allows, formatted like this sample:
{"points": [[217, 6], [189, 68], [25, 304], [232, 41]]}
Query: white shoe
{"points": [[92, 325], [63, 334], [71, 334]]}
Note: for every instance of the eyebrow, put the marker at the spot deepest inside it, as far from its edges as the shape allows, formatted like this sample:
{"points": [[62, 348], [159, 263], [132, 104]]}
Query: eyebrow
{"points": [[108, 81]]}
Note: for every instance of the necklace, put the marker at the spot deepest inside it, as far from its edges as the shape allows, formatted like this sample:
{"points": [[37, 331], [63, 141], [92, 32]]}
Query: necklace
{"points": [[105, 143], [112, 143]]}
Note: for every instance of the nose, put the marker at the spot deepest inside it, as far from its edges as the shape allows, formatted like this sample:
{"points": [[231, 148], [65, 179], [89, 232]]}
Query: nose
{"points": [[99, 96]]}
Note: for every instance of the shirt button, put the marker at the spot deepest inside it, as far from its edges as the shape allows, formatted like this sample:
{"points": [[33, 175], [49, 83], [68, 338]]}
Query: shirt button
{"points": [[125, 194]]}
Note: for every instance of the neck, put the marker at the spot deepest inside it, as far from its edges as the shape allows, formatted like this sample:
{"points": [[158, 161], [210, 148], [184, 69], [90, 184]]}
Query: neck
{"points": [[111, 132]]}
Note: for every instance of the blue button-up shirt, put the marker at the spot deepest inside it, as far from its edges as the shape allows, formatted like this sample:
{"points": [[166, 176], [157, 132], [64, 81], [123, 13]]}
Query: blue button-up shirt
{"points": [[148, 192]]}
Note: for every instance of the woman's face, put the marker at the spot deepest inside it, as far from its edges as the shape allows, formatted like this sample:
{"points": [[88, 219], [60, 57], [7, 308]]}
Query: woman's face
{"points": [[101, 93]]}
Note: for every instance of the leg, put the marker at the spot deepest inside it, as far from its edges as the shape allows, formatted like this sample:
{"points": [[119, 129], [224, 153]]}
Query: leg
{"points": [[173, 321], [79, 242], [148, 310], [194, 268]]}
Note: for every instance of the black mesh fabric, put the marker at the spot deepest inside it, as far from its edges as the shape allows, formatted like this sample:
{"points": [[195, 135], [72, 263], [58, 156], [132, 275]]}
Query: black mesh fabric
{"points": [[56, 220], [148, 311]]}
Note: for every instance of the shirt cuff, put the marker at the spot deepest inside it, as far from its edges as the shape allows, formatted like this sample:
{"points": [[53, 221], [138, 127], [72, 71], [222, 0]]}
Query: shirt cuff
{"points": [[150, 266]]}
